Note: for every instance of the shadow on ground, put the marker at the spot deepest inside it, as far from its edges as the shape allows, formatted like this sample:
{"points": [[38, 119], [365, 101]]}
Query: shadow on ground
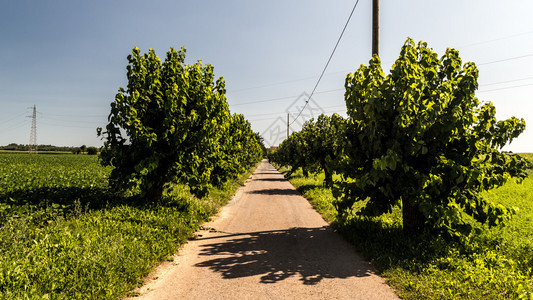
{"points": [[309, 253], [289, 191], [270, 179], [266, 172]]}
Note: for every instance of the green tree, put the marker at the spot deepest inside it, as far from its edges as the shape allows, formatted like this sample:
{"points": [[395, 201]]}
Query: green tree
{"points": [[313, 148], [83, 148], [420, 138], [240, 150], [165, 126], [262, 143], [92, 150], [322, 142], [292, 153]]}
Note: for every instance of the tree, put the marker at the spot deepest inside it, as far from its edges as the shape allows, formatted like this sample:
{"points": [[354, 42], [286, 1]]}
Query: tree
{"points": [[83, 148], [322, 140], [165, 126], [420, 138], [240, 150], [92, 151], [313, 148], [262, 143], [292, 153]]}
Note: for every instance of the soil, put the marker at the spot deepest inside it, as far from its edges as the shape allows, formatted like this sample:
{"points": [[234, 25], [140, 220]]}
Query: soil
{"points": [[267, 243]]}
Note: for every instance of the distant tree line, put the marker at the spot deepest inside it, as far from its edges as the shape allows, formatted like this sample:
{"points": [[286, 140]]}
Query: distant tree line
{"points": [[52, 148]]}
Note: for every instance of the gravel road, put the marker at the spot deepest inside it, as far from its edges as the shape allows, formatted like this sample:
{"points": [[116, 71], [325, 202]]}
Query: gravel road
{"points": [[267, 243]]}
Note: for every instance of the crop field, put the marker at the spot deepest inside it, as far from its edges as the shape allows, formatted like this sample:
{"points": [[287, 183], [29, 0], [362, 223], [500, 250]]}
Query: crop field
{"points": [[65, 235], [492, 263]]}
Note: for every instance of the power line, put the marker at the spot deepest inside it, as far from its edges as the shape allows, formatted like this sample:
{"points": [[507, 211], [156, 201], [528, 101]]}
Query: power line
{"points": [[328, 111], [13, 118], [17, 125], [508, 81], [342, 89], [324, 70], [72, 121], [68, 126], [268, 85], [385, 62], [506, 88], [497, 39], [282, 98], [284, 112], [506, 59], [79, 116]]}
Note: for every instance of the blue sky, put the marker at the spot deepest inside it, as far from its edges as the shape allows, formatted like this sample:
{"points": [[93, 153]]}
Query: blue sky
{"points": [[69, 57]]}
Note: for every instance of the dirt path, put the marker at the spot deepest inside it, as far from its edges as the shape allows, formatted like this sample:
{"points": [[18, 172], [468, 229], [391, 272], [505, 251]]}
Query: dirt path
{"points": [[268, 243]]}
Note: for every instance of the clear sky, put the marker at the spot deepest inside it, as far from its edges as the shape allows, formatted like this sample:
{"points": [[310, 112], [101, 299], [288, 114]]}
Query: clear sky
{"points": [[69, 57]]}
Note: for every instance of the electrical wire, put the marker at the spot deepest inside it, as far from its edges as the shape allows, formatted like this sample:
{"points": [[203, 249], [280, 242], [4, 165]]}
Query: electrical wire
{"points": [[69, 126], [283, 98], [342, 111], [342, 89], [13, 118], [324, 70], [508, 81], [506, 88], [497, 39], [506, 59], [383, 61], [17, 125], [284, 112]]}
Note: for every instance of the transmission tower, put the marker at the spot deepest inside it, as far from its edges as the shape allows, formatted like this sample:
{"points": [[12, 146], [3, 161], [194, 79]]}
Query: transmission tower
{"points": [[33, 133]]}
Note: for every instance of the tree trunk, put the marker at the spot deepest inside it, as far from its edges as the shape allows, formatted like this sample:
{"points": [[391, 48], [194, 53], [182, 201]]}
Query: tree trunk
{"points": [[327, 175], [155, 193], [413, 219]]}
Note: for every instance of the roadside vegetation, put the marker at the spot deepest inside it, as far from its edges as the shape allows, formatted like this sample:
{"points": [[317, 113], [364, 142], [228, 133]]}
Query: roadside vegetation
{"points": [[64, 234], [491, 263], [415, 178], [88, 226]]}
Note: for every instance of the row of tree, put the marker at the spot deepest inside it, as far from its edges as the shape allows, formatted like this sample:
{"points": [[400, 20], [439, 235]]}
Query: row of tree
{"points": [[51, 148], [418, 138], [172, 124]]}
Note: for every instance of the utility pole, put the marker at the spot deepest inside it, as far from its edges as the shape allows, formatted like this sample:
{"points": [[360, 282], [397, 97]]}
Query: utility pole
{"points": [[288, 125], [33, 134], [375, 27]]}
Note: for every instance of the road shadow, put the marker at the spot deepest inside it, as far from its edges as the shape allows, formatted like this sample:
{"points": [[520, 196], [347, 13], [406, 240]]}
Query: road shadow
{"points": [[285, 192], [266, 172], [309, 253], [271, 179]]}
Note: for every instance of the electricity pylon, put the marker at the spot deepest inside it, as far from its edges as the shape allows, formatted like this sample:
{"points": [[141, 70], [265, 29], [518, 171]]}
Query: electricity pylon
{"points": [[33, 133]]}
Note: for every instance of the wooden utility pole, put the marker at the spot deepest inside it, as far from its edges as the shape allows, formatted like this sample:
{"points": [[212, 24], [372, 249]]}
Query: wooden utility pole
{"points": [[375, 27]]}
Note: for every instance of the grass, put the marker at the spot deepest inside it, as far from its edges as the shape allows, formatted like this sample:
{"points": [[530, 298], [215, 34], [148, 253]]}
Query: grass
{"points": [[65, 235], [495, 263]]}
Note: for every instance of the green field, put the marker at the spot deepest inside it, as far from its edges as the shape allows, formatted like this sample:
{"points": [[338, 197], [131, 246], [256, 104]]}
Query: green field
{"points": [[493, 263], [65, 235]]}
